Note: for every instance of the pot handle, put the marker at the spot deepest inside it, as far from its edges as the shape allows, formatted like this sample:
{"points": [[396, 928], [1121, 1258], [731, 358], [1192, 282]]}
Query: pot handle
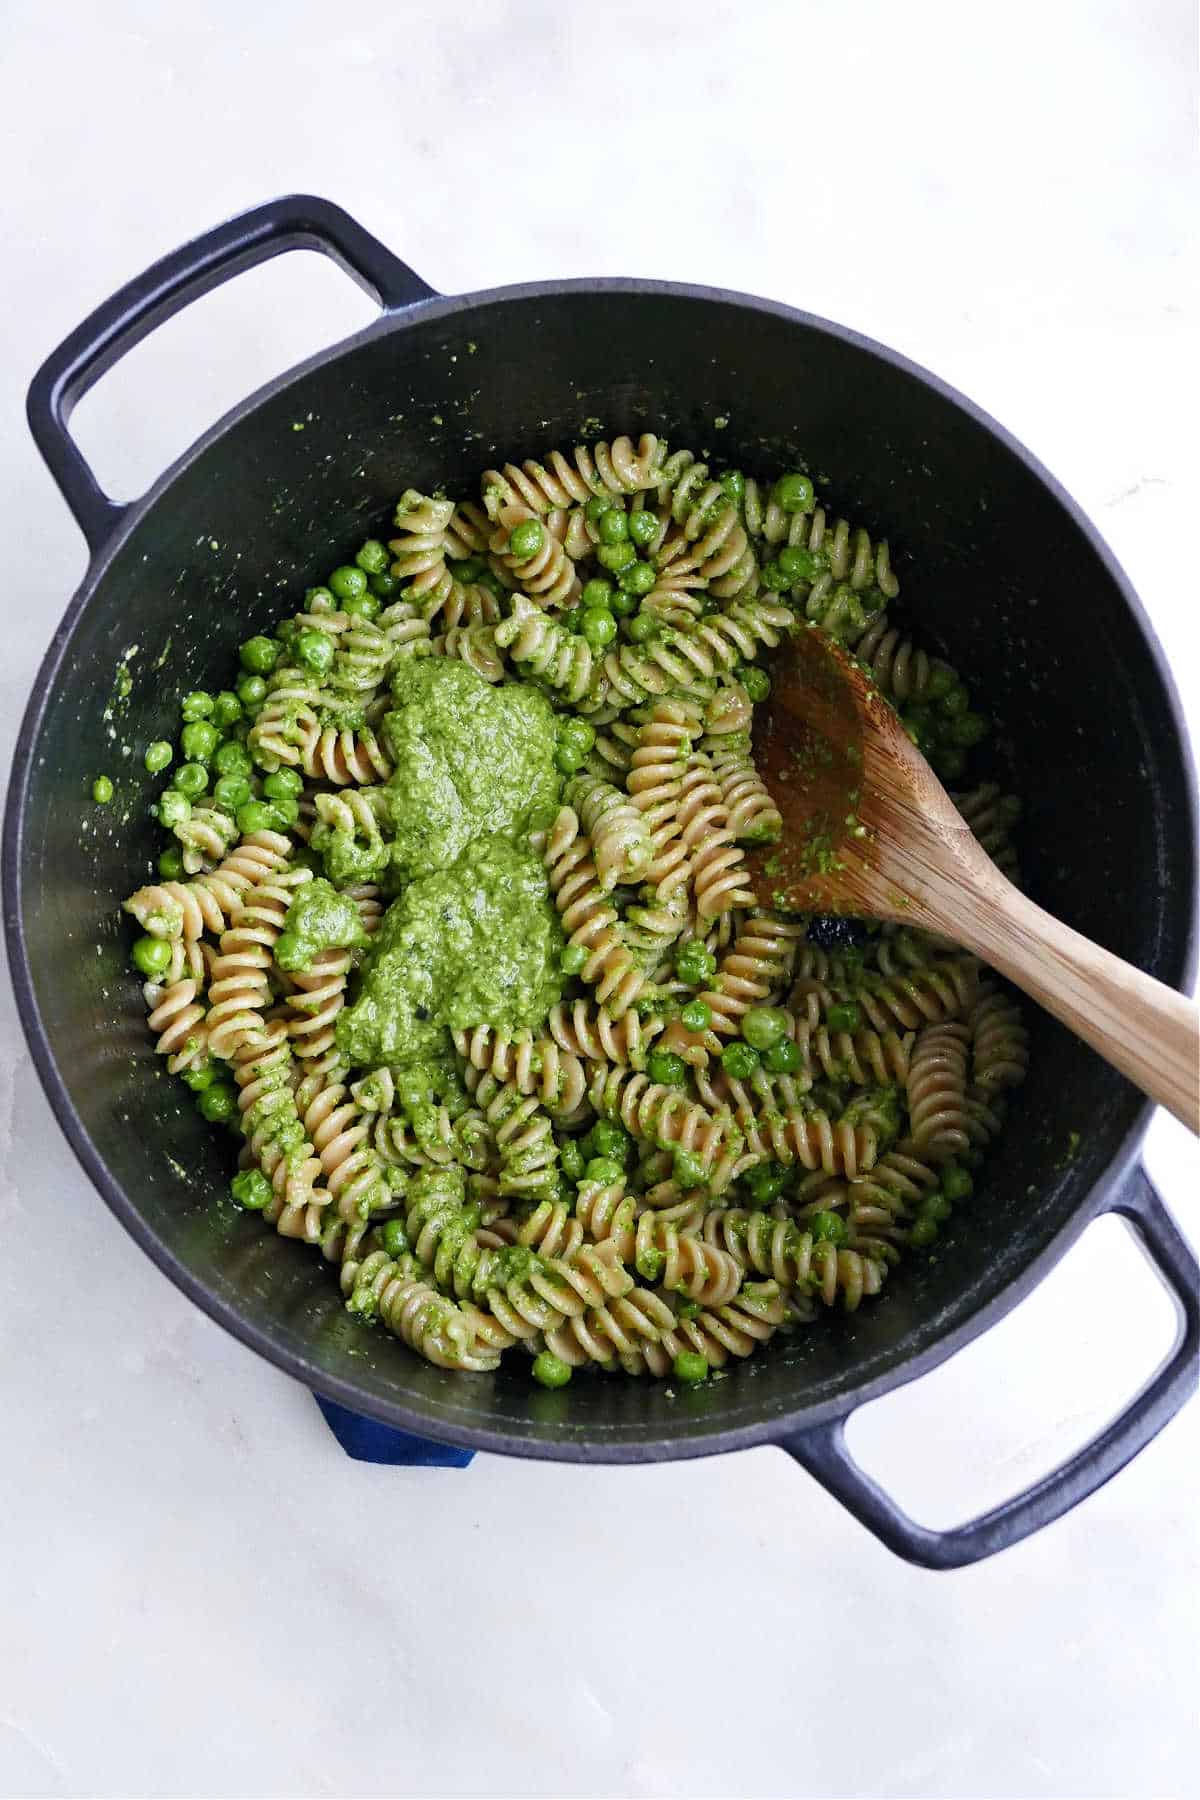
{"points": [[295, 222], [823, 1452]]}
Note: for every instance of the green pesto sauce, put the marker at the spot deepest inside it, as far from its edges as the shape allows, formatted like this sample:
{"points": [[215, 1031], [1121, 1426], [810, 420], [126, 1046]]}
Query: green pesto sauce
{"points": [[319, 918], [470, 761], [476, 943]]}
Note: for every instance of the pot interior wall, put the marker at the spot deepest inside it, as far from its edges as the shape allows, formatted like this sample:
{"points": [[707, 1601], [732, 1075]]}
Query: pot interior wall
{"points": [[1000, 578]]}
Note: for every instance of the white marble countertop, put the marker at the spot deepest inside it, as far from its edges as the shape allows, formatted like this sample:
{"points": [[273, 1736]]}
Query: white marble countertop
{"points": [[199, 1594]]}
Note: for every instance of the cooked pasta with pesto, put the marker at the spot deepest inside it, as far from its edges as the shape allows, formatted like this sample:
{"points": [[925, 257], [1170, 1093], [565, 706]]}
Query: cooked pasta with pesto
{"points": [[453, 930]]}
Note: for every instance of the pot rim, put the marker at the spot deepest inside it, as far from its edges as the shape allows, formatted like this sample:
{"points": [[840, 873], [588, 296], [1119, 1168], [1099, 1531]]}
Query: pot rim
{"points": [[228, 1315]]}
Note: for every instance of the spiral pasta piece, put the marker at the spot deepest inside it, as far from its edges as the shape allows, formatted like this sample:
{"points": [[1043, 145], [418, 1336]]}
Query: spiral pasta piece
{"points": [[206, 903], [340, 1133], [381, 1287], [991, 816], [937, 1090], [239, 989], [406, 627], [205, 835], [545, 649], [473, 644], [663, 1116], [620, 842], [896, 666], [581, 1029], [607, 469], [753, 816], [178, 1024], [857, 1057], [419, 550], [343, 756], [523, 1133], [537, 1066], [467, 532], [1000, 1044], [547, 574], [588, 918], [792, 1257]]}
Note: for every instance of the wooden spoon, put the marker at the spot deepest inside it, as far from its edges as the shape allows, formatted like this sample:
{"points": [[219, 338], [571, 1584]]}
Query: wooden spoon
{"points": [[868, 829]]}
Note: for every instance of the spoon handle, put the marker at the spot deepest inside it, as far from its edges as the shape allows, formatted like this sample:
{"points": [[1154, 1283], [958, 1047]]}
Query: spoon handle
{"points": [[1138, 1024]]}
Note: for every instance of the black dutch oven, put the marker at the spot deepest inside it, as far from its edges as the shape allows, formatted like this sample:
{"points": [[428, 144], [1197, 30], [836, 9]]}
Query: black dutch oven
{"points": [[1013, 585]]}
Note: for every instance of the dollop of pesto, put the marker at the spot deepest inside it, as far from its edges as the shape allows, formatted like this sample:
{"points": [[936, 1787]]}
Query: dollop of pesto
{"points": [[475, 943], [470, 761], [319, 918]]}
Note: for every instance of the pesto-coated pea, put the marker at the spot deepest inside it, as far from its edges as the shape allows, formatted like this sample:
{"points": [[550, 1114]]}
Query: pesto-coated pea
{"points": [[348, 582]]}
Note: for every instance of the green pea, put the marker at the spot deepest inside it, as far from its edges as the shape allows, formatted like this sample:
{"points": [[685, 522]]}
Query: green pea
{"points": [[696, 1015], [783, 1058], [384, 585], [643, 529], [571, 1159], [199, 740], [797, 564], [665, 1067], [922, 1233], [526, 539], [764, 1026], [316, 600], [638, 578], [251, 1189], [170, 863], [766, 1182], [599, 628], [615, 557], [315, 651], [227, 709], [967, 729], [550, 1370], [642, 628], [941, 680], [191, 779], [151, 956], [217, 1104], [793, 493], [622, 605], [756, 682], [956, 1183], [568, 756], [102, 790], [691, 1367], [609, 1139], [739, 1060], [572, 959], [694, 962], [612, 526], [774, 576], [955, 699], [348, 582], [284, 784], [288, 808], [256, 815], [596, 508], [373, 557], [158, 756], [197, 705], [200, 1076], [733, 486], [827, 1227], [935, 1206], [259, 655], [845, 1016], [252, 690], [394, 1238], [231, 793], [688, 1169], [596, 592], [231, 759], [950, 762], [174, 808], [603, 1171], [579, 731], [468, 569], [362, 606]]}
